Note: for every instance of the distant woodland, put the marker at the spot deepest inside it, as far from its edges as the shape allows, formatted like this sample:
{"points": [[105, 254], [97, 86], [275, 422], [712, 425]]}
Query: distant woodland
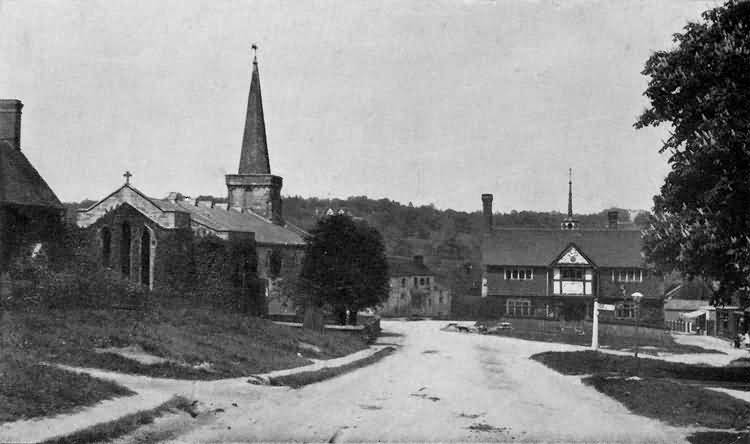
{"points": [[448, 239]]}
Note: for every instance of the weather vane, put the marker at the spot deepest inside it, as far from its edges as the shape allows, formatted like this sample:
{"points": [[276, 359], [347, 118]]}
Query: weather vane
{"points": [[255, 52]]}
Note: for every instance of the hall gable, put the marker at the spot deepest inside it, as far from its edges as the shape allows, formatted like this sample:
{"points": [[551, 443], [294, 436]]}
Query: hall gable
{"points": [[572, 255]]}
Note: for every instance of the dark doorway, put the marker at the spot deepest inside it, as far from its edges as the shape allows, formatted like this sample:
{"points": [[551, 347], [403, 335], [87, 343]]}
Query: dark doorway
{"points": [[125, 249], [106, 246], [146, 258]]}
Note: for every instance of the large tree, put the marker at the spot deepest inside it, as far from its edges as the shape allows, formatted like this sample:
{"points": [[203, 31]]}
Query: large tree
{"points": [[345, 267], [701, 87]]}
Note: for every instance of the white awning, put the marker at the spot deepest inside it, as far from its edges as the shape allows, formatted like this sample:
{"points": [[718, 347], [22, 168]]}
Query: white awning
{"points": [[693, 314]]}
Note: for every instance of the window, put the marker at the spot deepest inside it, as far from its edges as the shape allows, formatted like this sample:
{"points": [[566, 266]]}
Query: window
{"points": [[125, 249], [440, 300], [625, 310], [106, 246], [403, 282], [516, 274], [427, 280], [572, 280], [572, 274], [415, 281], [275, 263], [627, 275], [518, 307], [421, 281]]}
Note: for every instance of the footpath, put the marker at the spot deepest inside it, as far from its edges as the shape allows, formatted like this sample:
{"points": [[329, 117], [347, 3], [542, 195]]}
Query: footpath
{"points": [[153, 392]]}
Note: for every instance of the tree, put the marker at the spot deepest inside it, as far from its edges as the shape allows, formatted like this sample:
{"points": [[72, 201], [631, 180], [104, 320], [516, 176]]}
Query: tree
{"points": [[345, 267], [700, 222]]}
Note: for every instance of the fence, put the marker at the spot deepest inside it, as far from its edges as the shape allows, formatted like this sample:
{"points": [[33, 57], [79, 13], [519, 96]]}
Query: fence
{"points": [[583, 328]]}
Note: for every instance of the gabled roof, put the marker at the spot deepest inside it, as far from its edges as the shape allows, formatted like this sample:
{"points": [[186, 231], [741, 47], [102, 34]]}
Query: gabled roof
{"points": [[539, 247], [406, 266], [220, 219], [21, 183]]}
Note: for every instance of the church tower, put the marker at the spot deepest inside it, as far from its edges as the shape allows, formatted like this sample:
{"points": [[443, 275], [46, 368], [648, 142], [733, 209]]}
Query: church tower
{"points": [[570, 223], [254, 187]]}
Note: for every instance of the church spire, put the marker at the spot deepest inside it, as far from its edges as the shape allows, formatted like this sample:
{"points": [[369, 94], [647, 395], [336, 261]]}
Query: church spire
{"points": [[569, 223], [570, 193], [254, 157]]}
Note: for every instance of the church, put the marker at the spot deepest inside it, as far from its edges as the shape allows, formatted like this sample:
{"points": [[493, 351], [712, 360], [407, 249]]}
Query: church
{"points": [[558, 273], [135, 233]]}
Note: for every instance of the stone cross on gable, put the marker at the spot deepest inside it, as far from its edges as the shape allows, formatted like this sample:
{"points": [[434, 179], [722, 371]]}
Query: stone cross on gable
{"points": [[127, 177]]}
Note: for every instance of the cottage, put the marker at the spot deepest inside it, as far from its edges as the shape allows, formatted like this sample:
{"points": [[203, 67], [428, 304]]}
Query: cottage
{"points": [[414, 291], [558, 273], [29, 210]]}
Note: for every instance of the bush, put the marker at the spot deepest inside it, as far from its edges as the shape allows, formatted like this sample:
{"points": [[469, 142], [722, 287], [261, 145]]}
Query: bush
{"points": [[205, 272]]}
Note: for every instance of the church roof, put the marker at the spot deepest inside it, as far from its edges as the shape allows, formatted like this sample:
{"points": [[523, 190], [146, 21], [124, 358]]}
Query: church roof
{"points": [[218, 219], [540, 247], [254, 157], [221, 219], [21, 183]]}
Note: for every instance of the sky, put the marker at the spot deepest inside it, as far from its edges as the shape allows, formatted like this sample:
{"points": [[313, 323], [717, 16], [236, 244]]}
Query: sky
{"points": [[429, 102]]}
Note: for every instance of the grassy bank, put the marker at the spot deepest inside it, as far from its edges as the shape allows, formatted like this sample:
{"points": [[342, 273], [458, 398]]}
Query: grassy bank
{"points": [[193, 343], [198, 344]]}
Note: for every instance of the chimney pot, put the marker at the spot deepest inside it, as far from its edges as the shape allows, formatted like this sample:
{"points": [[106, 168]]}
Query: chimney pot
{"points": [[10, 121]]}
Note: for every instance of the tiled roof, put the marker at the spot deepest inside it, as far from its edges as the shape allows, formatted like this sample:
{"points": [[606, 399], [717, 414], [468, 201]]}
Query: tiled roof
{"points": [[540, 247], [20, 183], [220, 219], [406, 266]]}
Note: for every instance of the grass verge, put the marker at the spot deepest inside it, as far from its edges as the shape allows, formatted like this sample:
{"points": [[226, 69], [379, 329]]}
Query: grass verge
{"points": [[674, 403], [305, 378], [30, 390], [718, 438], [661, 391], [114, 429], [590, 362]]}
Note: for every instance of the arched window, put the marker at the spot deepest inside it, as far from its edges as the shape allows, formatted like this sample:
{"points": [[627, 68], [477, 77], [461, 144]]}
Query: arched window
{"points": [[125, 249], [106, 246], [146, 257]]}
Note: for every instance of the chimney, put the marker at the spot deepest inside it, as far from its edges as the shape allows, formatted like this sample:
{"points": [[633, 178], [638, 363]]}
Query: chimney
{"points": [[419, 260], [487, 210], [10, 121], [612, 217]]}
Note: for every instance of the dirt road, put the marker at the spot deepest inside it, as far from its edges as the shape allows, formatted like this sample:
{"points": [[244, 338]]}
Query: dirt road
{"points": [[438, 386]]}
